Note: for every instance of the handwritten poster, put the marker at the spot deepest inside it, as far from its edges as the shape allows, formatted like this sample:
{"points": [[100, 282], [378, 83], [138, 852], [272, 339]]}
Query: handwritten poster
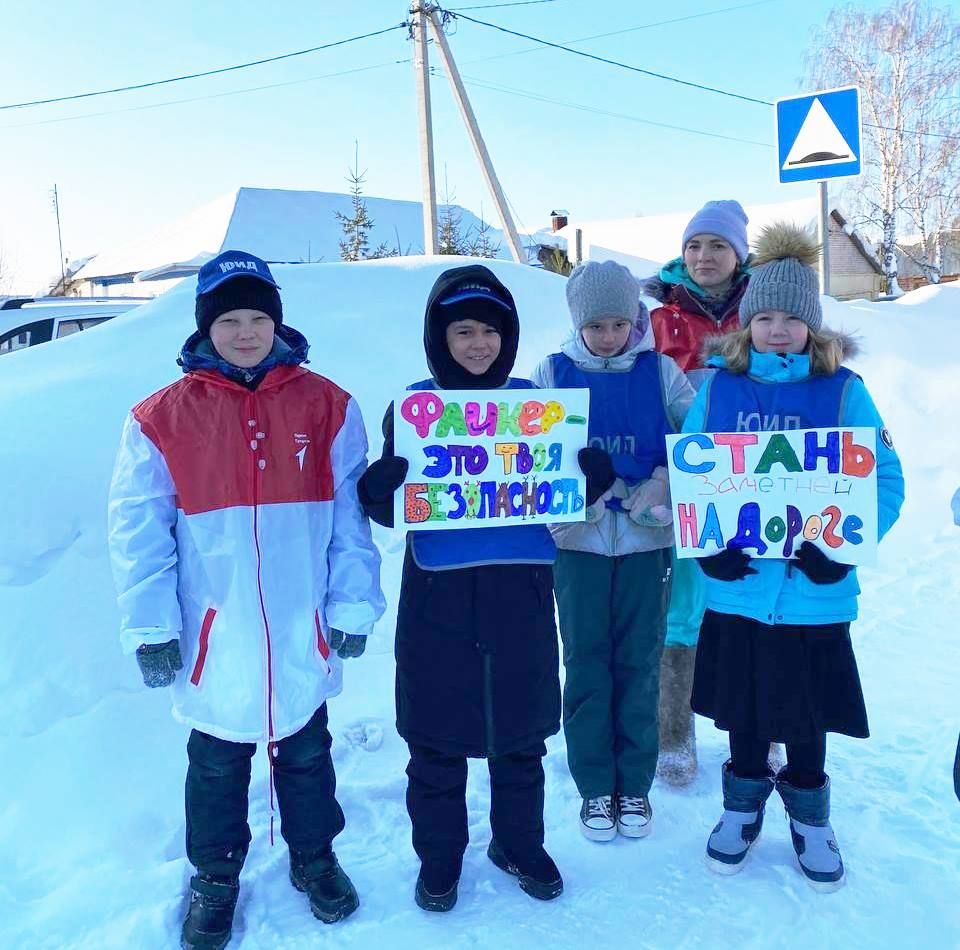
{"points": [[490, 458], [768, 492]]}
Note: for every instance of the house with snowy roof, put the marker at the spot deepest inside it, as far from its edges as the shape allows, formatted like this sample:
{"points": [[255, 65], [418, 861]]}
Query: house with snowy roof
{"points": [[645, 243], [279, 225]]}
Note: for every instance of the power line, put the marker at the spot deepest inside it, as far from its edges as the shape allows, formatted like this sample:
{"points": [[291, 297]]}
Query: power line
{"points": [[675, 79], [496, 6], [613, 62], [537, 97], [214, 95], [208, 72], [629, 29]]}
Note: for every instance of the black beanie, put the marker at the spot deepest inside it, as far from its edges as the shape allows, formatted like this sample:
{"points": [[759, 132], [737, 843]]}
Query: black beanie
{"points": [[238, 293]]}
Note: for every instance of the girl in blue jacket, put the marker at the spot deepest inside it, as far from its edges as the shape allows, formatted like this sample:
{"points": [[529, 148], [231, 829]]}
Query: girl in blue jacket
{"points": [[775, 662]]}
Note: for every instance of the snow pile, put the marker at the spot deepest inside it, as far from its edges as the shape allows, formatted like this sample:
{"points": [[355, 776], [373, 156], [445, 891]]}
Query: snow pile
{"points": [[91, 823]]}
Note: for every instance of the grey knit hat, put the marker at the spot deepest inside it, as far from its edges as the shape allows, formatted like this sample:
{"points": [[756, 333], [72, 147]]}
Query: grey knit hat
{"points": [[783, 276], [596, 290]]}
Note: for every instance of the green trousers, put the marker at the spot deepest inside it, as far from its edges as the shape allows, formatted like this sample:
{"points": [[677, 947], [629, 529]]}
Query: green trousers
{"points": [[688, 600], [612, 622]]}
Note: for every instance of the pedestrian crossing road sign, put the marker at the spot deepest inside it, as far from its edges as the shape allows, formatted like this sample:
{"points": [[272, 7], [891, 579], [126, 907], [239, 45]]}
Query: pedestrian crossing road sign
{"points": [[818, 135]]}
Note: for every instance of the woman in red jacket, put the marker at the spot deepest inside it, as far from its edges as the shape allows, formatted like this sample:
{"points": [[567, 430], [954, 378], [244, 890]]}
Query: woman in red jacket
{"points": [[700, 294]]}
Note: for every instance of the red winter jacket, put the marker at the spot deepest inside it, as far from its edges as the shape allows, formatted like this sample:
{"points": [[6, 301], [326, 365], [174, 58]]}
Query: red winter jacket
{"points": [[235, 527], [682, 324]]}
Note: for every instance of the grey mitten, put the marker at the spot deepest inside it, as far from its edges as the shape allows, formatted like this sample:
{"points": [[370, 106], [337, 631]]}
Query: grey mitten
{"points": [[159, 662], [347, 645]]}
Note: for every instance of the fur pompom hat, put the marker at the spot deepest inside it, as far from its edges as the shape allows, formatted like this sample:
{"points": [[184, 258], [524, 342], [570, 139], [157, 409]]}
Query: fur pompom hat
{"points": [[784, 275]]}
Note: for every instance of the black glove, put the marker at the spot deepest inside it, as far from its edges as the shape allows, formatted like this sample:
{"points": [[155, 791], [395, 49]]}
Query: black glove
{"points": [[377, 485], [597, 465], [383, 478], [347, 645], [159, 662], [818, 567], [731, 564]]}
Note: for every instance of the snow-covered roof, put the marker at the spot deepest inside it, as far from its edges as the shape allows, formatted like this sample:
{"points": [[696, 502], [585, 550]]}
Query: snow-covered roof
{"points": [[279, 225]]}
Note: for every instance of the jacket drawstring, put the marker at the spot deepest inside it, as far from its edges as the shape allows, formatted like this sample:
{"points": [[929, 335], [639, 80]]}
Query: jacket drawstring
{"points": [[272, 752]]}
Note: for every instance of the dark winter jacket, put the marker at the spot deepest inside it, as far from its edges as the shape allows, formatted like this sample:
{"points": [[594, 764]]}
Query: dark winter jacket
{"points": [[476, 647], [689, 315]]}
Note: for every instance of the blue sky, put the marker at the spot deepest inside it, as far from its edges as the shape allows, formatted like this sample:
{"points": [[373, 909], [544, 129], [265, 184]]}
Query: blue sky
{"points": [[146, 161]]}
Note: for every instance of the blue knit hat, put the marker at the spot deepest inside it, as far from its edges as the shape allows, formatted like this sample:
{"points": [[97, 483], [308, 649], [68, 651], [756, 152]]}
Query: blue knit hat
{"points": [[726, 219]]}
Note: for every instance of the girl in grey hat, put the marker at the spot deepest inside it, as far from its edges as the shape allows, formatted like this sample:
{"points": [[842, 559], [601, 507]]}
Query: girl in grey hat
{"points": [[612, 573], [774, 659]]}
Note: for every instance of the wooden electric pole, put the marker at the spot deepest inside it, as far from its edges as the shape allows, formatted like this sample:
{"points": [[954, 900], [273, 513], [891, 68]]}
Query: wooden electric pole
{"points": [[421, 66], [466, 111]]}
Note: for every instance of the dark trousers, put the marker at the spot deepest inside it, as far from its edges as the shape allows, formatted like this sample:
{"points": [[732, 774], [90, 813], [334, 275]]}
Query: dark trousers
{"points": [[805, 760], [218, 779], [437, 804], [612, 622]]}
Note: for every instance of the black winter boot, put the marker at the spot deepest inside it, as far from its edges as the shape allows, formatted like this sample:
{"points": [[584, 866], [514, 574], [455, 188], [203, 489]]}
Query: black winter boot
{"points": [[677, 763], [319, 875], [808, 811], [537, 873], [739, 826], [436, 889], [209, 921]]}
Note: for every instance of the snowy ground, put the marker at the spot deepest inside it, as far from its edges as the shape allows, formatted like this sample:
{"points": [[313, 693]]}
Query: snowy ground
{"points": [[91, 825]]}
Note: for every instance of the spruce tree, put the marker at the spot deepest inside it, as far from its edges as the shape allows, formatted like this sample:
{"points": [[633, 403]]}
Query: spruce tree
{"points": [[357, 226]]}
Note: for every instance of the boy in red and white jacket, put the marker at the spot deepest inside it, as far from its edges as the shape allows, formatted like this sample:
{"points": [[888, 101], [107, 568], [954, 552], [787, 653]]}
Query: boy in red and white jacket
{"points": [[245, 571]]}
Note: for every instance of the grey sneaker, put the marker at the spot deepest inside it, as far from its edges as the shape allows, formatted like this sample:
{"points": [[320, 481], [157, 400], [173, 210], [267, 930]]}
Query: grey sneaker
{"points": [[740, 824], [808, 811], [597, 818], [634, 816]]}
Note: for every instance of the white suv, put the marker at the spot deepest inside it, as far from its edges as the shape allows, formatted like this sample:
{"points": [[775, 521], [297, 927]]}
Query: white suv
{"points": [[27, 321]]}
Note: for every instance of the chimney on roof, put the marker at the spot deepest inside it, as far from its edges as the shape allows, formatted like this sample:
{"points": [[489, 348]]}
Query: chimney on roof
{"points": [[558, 219]]}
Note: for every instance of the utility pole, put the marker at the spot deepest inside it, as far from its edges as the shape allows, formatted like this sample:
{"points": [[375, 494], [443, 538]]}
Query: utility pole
{"points": [[55, 201], [421, 65], [824, 229], [466, 111]]}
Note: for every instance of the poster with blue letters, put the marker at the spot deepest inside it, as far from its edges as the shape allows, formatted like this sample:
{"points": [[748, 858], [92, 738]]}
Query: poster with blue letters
{"points": [[768, 492], [490, 458]]}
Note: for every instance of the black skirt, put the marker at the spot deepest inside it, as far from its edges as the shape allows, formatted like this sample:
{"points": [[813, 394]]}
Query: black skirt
{"points": [[783, 683]]}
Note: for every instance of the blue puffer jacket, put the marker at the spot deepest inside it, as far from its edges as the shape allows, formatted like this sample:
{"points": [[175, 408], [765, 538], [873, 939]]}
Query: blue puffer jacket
{"points": [[779, 593]]}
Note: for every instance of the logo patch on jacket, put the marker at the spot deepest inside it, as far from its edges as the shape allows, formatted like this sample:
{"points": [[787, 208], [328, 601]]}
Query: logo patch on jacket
{"points": [[886, 437], [303, 440]]}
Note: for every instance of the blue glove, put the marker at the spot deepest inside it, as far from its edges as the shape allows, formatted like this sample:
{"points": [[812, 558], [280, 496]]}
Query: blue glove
{"points": [[159, 662], [347, 645], [956, 771]]}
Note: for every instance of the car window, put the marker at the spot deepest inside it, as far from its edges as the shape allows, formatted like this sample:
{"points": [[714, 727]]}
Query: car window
{"points": [[29, 335], [68, 327]]}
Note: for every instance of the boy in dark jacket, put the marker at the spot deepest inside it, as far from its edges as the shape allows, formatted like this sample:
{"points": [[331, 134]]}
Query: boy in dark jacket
{"points": [[476, 646]]}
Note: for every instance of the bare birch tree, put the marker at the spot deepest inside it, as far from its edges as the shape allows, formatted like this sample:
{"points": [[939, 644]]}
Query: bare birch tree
{"points": [[906, 61]]}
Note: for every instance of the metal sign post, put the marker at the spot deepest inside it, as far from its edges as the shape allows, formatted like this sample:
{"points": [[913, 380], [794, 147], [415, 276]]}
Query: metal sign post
{"points": [[819, 137]]}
